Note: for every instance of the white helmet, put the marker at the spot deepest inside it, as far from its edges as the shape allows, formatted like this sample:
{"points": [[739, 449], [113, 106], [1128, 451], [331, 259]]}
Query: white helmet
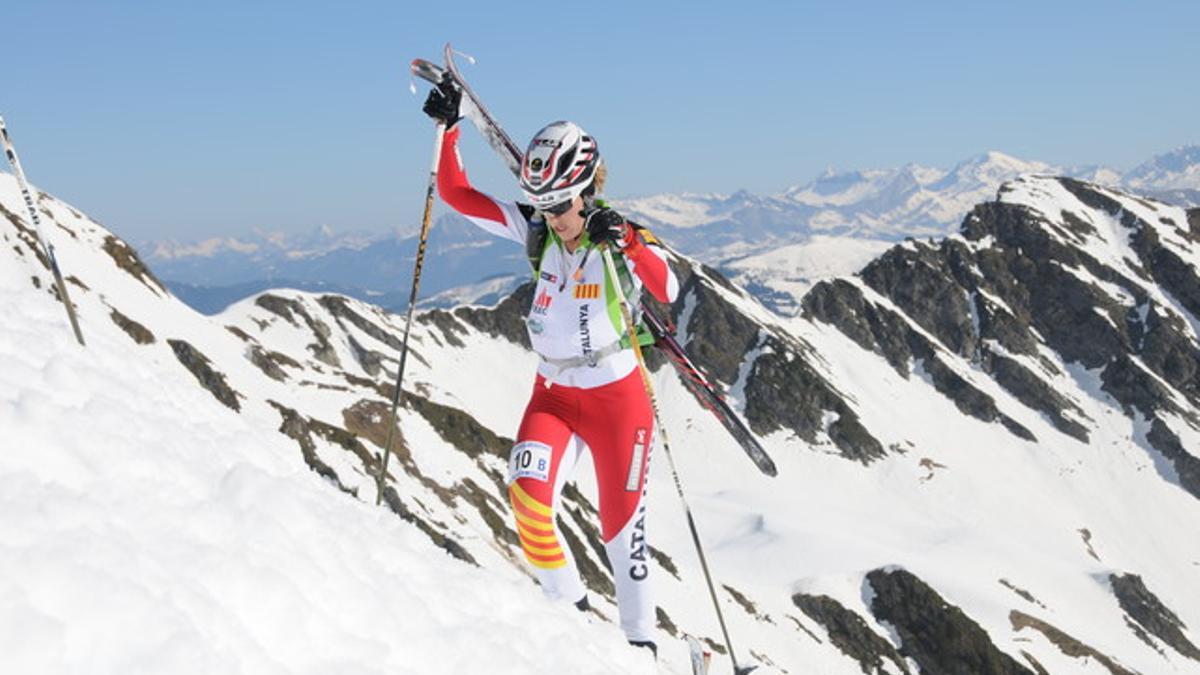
{"points": [[559, 164]]}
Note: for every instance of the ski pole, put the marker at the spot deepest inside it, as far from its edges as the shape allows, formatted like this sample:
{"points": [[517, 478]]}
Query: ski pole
{"points": [[47, 247], [631, 330], [412, 301]]}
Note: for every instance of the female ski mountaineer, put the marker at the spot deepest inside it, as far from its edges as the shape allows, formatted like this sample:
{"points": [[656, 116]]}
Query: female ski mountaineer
{"points": [[588, 391]]}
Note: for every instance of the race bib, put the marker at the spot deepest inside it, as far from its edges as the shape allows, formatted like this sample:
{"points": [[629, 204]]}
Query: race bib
{"points": [[529, 459]]}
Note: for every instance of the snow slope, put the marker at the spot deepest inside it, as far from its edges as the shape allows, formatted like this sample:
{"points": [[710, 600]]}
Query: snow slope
{"points": [[147, 528], [159, 529]]}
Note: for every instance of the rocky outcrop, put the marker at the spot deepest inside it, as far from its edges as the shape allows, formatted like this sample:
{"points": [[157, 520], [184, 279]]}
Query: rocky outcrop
{"points": [[506, 319], [784, 392], [201, 368], [136, 331], [1066, 644], [1144, 608], [1187, 465], [718, 335], [940, 637], [851, 634], [263, 361], [884, 331], [127, 260], [289, 309], [296, 427], [1018, 279]]}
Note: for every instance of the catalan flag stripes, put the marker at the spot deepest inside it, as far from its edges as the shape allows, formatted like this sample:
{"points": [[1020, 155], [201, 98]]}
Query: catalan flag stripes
{"points": [[535, 526], [587, 291]]}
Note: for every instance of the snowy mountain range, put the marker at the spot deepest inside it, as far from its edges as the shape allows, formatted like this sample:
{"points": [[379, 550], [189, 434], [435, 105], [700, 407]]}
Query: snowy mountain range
{"points": [[777, 246], [986, 447]]}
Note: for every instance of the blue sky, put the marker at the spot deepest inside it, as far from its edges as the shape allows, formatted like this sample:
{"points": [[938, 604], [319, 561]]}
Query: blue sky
{"points": [[187, 120]]}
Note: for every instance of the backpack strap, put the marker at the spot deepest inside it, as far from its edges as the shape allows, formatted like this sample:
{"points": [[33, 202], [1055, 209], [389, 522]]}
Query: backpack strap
{"points": [[538, 239]]}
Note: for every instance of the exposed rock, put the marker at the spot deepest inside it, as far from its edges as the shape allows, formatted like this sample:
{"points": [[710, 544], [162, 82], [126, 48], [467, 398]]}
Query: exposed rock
{"points": [[133, 329], [664, 561], [1186, 464], [459, 428], [446, 323], [127, 259], [339, 307], [277, 305], [940, 637], [1065, 643], [1025, 595], [784, 392], [594, 576], [27, 235], [718, 335], [492, 511], [258, 356], [1035, 393], [440, 540], [506, 319], [288, 309], [1151, 614], [295, 427], [850, 634], [843, 305], [664, 622], [200, 367], [346, 440], [746, 604], [928, 284], [368, 419]]}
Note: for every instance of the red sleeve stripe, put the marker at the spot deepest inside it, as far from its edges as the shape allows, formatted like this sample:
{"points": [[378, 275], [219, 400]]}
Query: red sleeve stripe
{"points": [[456, 190]]}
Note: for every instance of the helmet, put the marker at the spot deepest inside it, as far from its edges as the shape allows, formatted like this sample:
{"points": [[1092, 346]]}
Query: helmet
{"points": [[559, 164]]}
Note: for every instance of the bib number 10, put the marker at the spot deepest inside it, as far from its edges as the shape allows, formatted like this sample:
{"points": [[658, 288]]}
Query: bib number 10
{"points": [[529, 459]]}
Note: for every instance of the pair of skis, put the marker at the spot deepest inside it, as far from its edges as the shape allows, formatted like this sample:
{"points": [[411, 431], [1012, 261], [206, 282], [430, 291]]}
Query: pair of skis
{"points": [[695, 381]]}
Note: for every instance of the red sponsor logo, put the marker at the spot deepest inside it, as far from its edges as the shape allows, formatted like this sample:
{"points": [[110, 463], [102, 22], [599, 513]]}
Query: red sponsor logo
{"points": [[542, 302]]}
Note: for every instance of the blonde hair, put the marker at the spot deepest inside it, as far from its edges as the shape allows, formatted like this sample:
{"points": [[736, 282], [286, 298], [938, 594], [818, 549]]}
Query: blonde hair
{"points": [[601, 176]]}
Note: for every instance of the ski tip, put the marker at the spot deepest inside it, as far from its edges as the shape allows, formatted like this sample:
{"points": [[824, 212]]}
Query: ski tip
{"points": [[743, 670], [426, 70]]}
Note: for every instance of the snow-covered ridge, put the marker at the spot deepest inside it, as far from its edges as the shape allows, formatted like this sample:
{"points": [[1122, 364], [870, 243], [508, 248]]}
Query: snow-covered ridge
{"points": [[943, 443], [731, 231]]}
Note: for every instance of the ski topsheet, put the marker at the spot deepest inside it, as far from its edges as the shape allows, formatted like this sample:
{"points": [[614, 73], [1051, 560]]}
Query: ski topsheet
{"points": [[700, 657], [708, 396]]}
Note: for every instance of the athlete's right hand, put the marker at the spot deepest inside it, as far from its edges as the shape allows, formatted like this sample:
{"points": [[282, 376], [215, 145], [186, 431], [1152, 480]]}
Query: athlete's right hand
{"points": [[443, 102]]}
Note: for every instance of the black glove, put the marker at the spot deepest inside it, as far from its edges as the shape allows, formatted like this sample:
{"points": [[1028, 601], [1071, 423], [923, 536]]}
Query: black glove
{"points": [[605, 225], [442, 103]]}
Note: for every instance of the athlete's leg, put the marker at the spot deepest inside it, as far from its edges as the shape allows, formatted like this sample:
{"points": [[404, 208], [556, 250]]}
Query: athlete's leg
{"points": [[541, 460], [617, 424]]}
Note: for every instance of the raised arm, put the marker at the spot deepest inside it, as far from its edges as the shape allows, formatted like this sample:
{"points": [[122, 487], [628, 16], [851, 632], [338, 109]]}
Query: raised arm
{"points": [[494, 215]]}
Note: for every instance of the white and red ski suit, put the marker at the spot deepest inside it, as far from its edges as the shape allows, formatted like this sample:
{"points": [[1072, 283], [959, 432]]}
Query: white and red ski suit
{"points": [[587, 393]]}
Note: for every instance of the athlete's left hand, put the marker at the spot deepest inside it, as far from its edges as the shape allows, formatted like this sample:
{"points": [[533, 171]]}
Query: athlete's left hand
{"points": [[605, 225]]}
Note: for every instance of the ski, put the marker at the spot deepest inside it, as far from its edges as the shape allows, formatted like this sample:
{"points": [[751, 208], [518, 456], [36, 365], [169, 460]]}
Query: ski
{"points": [[704, 391], [47, 247], [700, 657]]}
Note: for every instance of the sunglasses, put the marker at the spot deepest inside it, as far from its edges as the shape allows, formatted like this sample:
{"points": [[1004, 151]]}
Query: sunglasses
{"points": [[557, 209]]}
